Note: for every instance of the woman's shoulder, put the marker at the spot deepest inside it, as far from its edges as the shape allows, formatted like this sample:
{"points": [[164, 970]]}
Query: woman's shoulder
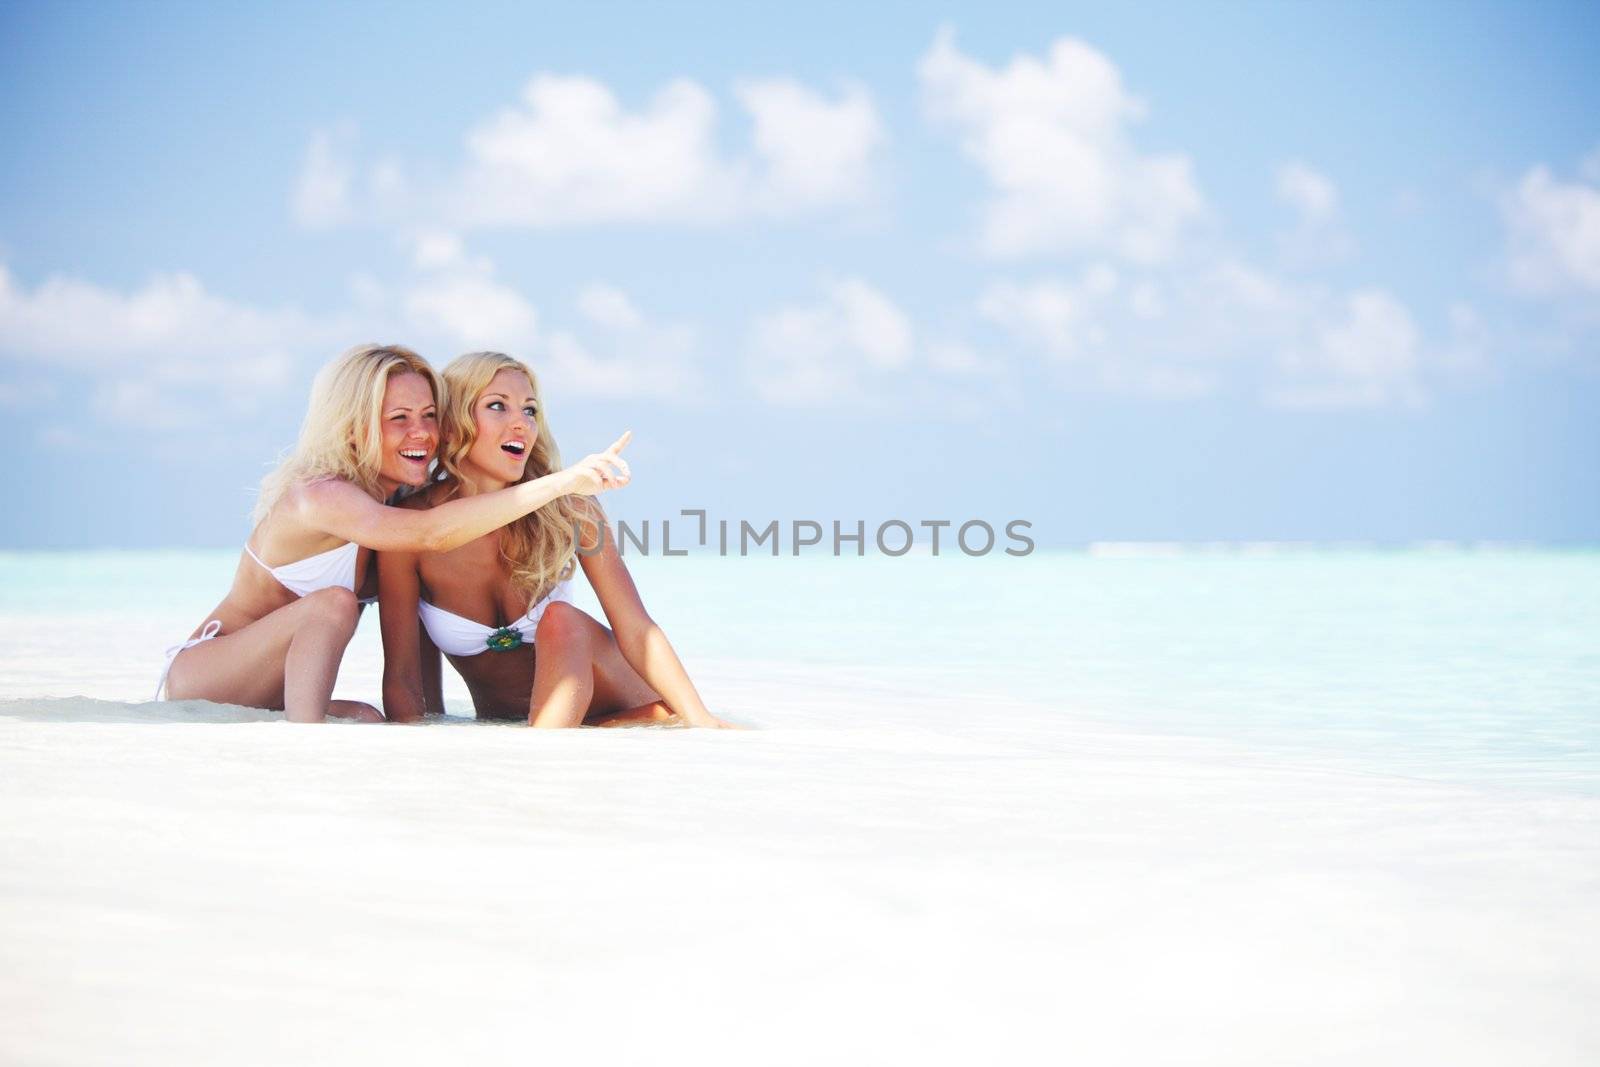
{"points": [[315, 484], [315, 490], [298, 513]]}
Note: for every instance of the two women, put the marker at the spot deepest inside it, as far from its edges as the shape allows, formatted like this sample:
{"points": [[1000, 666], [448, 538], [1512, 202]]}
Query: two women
{"points": [[499, 605], [276, 639]]}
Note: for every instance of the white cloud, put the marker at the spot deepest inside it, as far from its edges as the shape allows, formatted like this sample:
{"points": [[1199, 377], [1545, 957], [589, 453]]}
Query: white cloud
{"points": [[332, 190], [170, 351], [1145, 301], [832, 350], [814, 151], [1366, 357], [171, 323], [624, 353], [608, 307], [871, 324], [162, 352], [1318, 236], [1310, 193], [437, 250], [137, 403], [1101, 330], [473, 312], [170, 356], [1161, 308], [570, 153], [322, 191], [1052, 138], [457, 299], [1063, 316], [614, 350], [1254, 290], [1553, 229], [1229, 326], [957, 358]]}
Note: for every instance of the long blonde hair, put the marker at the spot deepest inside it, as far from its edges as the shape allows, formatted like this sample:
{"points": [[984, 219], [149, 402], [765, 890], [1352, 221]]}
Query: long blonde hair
{"points": [[539, 547], [342, 435]]}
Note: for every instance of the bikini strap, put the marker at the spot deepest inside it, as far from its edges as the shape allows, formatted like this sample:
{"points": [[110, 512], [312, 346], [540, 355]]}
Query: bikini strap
{"points": [[249, 552]]}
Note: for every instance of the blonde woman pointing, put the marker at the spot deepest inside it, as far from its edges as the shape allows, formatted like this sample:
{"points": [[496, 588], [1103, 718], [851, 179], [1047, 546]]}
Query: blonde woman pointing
{"points": [[277, 638], [499, 606]]}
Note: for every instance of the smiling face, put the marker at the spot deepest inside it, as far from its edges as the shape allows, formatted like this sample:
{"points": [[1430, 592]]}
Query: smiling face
{"points": [[503, 417], [410, 426]]}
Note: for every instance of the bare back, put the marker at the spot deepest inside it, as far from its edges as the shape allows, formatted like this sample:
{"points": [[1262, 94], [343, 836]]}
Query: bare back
{"points": [[278, 539]]}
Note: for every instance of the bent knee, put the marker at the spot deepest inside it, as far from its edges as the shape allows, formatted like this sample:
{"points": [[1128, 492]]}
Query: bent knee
{"points": [[561, 622], [334, 604]]}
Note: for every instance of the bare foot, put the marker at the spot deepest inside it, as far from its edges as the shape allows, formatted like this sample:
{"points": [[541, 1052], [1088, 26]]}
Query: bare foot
{"points": [[354, 709], [651, 714]]}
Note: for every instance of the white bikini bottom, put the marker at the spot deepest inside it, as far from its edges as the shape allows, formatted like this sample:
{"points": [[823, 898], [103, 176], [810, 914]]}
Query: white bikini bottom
{"points": [[212, 629]]}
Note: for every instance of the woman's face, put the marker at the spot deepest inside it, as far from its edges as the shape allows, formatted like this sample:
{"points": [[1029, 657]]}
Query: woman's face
{"points": [[410, 430], [504, 417]]}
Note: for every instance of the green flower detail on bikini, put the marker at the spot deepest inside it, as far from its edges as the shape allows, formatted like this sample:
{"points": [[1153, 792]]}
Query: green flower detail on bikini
{"points": [[504, 640]]}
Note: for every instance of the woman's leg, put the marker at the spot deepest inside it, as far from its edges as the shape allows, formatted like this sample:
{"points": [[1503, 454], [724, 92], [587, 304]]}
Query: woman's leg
{"points": [[621, 697], [563, 668], [580, 676], [288, 659]]}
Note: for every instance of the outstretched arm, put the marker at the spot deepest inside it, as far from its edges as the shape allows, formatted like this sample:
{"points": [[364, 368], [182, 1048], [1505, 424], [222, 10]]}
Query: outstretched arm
{"points": [[405, 695], [342, 509], [643, 643]]}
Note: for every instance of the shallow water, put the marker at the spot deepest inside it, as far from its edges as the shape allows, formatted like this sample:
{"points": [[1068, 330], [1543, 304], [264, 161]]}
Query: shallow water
{"points": [[1477, 666], [1218, 809]]}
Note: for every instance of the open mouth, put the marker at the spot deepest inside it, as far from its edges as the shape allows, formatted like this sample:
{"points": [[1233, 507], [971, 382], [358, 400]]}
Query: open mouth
{"points": [[415, 455], [514, 448]]}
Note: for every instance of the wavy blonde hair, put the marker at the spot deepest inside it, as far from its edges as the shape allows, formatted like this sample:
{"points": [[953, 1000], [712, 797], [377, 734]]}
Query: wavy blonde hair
{"points": [[342, 435], [539, 547]]}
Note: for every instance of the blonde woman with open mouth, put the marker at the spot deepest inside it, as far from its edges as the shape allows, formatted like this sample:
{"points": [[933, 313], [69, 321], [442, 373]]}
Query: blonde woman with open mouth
{"points": [[372, 427], [500, 606]]}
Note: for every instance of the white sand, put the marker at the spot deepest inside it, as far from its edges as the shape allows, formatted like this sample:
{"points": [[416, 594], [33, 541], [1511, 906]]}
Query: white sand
{"points": [[864, 879]]}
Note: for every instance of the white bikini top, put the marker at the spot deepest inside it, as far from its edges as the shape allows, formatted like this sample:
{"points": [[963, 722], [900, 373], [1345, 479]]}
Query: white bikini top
{"points": [[464, 637], [337, 566]]}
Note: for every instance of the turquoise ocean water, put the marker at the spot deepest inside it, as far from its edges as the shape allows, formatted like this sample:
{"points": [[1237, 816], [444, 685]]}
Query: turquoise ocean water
{"points": [[1468, 665]]}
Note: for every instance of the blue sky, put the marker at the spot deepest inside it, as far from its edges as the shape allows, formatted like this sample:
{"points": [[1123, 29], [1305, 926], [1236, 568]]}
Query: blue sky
{"points": [[1176, 272]]}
